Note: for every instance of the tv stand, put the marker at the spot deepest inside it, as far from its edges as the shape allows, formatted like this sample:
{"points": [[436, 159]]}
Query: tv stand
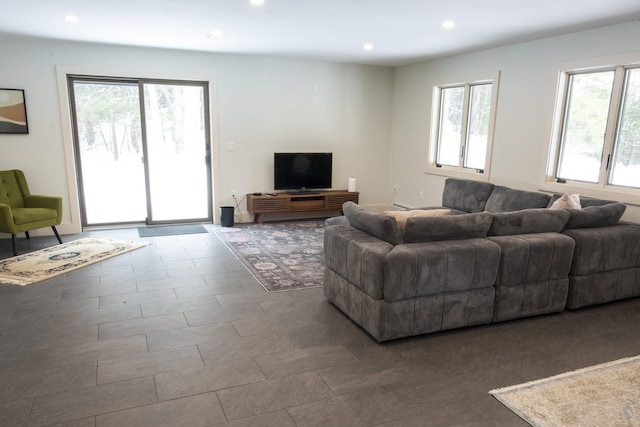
{"points": [[288, 203], [296, 192]]}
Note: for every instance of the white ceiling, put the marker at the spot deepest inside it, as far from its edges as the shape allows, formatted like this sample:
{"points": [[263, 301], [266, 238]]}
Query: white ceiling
{"points": [[402, 31]]}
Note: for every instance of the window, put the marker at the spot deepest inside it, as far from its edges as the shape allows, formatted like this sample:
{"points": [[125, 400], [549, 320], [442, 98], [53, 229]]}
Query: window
{"points": [[462, 128], [597, 129]]}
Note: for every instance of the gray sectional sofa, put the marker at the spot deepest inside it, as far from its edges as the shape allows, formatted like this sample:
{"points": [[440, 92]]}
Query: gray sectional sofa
{"points": [[501, 254]]}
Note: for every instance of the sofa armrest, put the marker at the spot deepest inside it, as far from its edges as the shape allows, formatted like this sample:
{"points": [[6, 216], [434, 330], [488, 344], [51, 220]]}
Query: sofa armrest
{"points": [[356, 256]]}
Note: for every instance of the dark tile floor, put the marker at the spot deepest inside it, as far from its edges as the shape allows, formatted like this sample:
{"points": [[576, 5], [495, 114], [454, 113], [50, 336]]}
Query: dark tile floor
{"points": [[180, 334]]}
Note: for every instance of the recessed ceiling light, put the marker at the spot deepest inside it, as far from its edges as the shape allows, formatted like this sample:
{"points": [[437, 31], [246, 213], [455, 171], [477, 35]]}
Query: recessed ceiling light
{"points": [[367, 46], [448, 24], [71, 19], [256, 2], [217, 33]]}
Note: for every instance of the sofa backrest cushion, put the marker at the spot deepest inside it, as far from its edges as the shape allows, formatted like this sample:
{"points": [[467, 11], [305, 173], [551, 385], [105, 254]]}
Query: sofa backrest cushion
{"points": [[595, 216], [451, 227], [465, 195], [505, 199], [382, 226], [584, 201], [528, 221]]}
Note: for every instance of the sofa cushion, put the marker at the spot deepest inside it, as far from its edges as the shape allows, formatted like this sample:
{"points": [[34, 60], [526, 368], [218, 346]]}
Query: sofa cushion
{"points": [[528, 221], [421, 269], [504, 199], [402, 216], [382, 226], [566, 201], [586, 202], [452, 227], [465, 195], [595, 216]]}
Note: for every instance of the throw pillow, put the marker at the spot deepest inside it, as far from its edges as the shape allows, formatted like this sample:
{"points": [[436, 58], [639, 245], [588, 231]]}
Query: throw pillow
{"points": [[402, 216], [567, 201]]}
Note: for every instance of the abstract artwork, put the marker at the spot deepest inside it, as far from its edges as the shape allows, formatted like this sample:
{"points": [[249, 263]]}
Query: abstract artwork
{"points": [[13, 111]]}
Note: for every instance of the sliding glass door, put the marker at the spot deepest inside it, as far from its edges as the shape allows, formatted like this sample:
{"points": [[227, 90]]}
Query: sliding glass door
{"points": [[178, 161], [142, 150]]}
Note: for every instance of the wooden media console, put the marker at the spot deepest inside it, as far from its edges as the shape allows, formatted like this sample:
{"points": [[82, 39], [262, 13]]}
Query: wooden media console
{"points": [[286, 203]]}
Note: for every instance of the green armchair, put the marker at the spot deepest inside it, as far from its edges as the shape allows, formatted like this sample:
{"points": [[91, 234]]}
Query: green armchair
{"points": [[21, 211]]}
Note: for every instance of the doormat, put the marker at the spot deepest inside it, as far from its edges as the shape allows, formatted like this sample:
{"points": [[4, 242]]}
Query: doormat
{"points": [[601, 395], [171, 230], [60, 259], [282, 256]]}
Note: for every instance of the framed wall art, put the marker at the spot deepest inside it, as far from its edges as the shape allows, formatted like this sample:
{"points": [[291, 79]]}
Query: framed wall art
{"points": [[13, 111]]}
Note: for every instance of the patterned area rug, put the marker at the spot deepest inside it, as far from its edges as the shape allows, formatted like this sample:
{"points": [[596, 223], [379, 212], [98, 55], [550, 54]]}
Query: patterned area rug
{"points": [[601, 395], [282, 256], [60, 259]]}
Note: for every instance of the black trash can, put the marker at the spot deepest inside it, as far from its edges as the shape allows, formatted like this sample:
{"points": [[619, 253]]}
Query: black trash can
{"points": [[226, 216]]}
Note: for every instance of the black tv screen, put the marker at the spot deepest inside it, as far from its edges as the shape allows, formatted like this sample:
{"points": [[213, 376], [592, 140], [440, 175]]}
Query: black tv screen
{"points": [[302, 171]]}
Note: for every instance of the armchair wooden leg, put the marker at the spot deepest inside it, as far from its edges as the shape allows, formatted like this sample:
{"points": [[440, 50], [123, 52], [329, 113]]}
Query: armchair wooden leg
{"points": [[13, 241], [56, 233], [26, 233]]}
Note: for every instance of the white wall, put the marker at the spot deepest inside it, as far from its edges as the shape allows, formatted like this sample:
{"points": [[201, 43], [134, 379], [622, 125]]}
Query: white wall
{"points": [[528, 79], [374, 119], [261, 104]]}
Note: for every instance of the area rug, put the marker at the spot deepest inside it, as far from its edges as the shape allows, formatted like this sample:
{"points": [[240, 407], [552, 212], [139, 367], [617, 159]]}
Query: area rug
{"points": [[60, 259], [171, 230], [601, 395], [282, 256]]}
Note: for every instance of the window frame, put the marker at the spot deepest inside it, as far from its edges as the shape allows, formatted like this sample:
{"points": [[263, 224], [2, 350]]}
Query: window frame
{"points": [[619, 64], [460, 171]]}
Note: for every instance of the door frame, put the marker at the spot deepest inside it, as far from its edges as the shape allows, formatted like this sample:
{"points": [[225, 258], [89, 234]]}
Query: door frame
{"points": [[206, 86], [207, 136]]}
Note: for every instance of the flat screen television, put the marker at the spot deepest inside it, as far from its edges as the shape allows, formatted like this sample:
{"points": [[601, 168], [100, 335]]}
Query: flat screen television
{"points": [[302, 171]]}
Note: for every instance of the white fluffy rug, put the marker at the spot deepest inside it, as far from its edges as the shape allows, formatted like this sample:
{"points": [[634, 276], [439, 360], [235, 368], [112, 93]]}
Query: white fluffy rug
{"points": [[601, 395]]}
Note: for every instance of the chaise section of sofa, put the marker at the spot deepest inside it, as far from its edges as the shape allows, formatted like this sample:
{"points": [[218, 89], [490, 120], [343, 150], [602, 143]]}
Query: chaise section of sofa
{"points": [[423, 284]]}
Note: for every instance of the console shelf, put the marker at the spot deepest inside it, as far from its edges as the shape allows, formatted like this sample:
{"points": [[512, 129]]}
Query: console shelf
{"points": [[286, 203]]}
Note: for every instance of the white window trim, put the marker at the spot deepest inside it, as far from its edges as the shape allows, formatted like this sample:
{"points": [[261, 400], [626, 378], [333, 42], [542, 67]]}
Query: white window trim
{"points": [[548, 180], [492, 77]]}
